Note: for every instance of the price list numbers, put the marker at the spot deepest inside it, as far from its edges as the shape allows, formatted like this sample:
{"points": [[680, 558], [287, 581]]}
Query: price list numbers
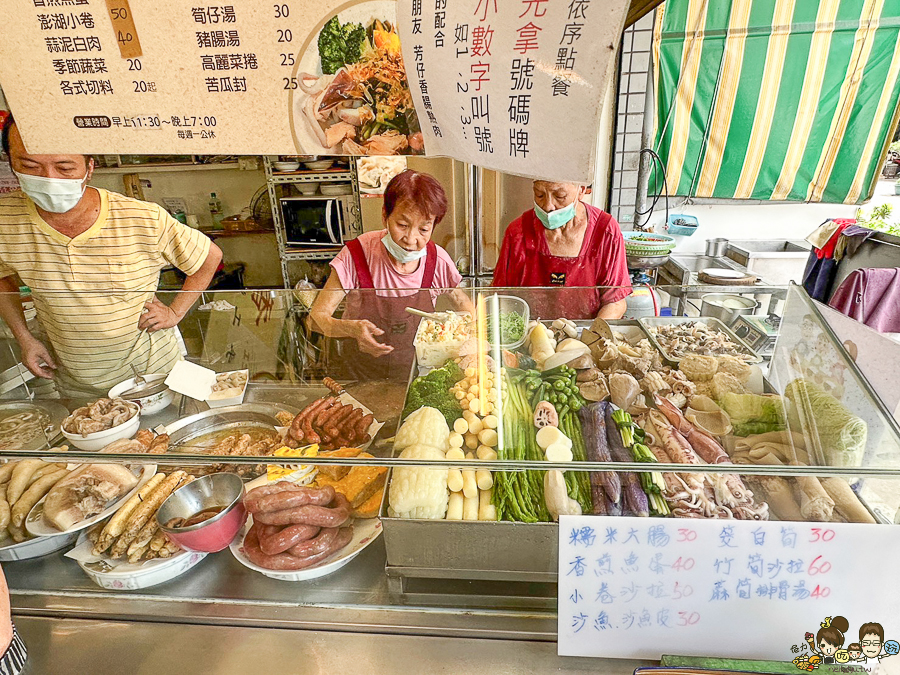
{"points": [[630, 588], [75, 52]]}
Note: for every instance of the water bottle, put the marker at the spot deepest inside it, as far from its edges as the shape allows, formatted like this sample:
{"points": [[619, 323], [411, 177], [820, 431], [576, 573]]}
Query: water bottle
{"points": [[215, 210]]}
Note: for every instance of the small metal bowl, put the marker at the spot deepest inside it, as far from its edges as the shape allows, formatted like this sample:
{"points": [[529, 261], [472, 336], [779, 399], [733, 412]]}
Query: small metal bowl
{"points": [[209, 492]]}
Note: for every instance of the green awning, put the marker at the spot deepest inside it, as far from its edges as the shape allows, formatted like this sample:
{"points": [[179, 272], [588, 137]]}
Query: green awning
{"points": [[775, 99]]}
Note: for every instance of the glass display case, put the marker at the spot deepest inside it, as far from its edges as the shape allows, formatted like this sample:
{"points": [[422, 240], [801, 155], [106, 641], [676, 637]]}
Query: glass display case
{"points": [[434, 474]]}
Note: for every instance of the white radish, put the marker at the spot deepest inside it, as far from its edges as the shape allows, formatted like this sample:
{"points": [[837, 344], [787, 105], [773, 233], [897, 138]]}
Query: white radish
{"points": [[455, 506], [475, 405], [488, 437], [483, 479], [476, 426], [456, 439], [491, 422], [470, 508], [559, 452], [454, 480], [548, 435], [460, 426], [471, 441]]}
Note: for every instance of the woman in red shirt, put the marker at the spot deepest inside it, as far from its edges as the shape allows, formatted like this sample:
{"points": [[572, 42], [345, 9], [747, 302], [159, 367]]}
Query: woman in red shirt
{"points": [[564, 242]]}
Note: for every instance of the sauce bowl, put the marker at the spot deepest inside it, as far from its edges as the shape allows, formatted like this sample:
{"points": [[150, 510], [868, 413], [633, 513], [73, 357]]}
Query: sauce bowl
{"points": [[217, 490]]}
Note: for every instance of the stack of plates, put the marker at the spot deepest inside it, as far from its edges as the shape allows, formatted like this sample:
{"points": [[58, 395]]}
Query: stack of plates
{"points": [[646, 244]]}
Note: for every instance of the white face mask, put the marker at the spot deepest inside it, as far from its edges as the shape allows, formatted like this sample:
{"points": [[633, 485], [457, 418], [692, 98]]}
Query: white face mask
{"points": [[56, 195], [400, 253]]}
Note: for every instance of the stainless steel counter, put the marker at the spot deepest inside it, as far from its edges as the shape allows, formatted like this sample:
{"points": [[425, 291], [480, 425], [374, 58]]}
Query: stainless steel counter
{"points": [[223, 618], [113, 647], [221, 591]]}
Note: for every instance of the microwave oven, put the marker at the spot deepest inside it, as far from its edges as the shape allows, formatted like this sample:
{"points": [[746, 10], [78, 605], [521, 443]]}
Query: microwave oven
{"points": [[316, 221]]}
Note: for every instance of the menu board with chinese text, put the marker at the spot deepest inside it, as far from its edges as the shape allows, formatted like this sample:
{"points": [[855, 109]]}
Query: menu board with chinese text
{"points": [[512, 85], [644, 587], [208, 77]]}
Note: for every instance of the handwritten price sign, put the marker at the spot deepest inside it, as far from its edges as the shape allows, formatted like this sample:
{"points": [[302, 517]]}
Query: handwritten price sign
{"points": [[641, 588]]}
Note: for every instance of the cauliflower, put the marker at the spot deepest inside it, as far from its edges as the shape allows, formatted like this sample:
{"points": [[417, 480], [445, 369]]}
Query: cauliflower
{"points": [[419, 492], [426, 426]]}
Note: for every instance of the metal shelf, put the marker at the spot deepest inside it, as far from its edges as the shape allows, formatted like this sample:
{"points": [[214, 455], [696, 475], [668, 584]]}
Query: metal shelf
{"points": [[326, 254], [275, 179], [313, 177]]}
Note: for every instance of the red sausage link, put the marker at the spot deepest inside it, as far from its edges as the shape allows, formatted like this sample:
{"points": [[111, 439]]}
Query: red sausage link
{"points": [[318, 544], [282, 561], [286, 561], [326, 417], [297, 425], [310, 515], [284, 538], [293, 498], [323, 412], [343, 537], [253, 497]]}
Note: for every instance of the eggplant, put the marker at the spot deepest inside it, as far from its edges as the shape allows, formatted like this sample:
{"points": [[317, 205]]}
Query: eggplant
{"points": [[597, 450]]}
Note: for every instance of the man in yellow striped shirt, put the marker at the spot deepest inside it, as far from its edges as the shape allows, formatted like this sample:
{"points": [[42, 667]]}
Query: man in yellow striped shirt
{"points": [[92, 260]]}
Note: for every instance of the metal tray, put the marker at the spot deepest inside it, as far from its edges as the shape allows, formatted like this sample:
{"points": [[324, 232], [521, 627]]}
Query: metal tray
{"points": [[231, 417], [648, 323], [490, 551], [56, 411]]}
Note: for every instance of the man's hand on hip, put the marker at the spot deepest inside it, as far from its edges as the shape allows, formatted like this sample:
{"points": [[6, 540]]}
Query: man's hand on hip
{"points": [[37, 359], [157, 316]]}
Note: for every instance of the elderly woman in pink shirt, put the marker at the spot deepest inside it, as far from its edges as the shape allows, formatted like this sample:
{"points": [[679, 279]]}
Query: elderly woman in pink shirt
{"points": [[405, 267]]}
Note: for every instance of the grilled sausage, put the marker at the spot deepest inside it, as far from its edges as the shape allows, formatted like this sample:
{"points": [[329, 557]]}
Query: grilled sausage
{"points": [[284, 538], [288, 499], [322, 516]]}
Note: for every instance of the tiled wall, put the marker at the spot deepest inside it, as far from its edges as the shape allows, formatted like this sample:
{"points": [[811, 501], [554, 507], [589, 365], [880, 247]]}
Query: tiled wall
{"points": [[634, 71]]}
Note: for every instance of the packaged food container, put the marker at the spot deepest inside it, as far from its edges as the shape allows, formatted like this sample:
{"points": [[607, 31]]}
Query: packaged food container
{"points": [[214, 401], [431, 353], [506, 304]]}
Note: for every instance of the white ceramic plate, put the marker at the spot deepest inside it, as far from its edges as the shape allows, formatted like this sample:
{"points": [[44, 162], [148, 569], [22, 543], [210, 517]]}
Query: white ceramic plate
{"points": [[723, 274], [36, 548], [365, 531], [131, 577], [36, 525], [305, 138]]}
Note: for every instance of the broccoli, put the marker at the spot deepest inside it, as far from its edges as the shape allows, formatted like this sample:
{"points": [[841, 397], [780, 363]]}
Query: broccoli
{"points": [[433, 390], [340, 45]]}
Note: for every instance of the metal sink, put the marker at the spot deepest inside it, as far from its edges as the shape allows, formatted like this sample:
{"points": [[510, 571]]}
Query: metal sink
{"points": [[696, 263], [779, 261], [768, 246], [682, 269]]}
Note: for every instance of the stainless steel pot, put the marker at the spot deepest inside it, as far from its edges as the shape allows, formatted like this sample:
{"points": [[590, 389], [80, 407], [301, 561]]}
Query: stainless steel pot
{"points": [[726, 307], [716, 248]]}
